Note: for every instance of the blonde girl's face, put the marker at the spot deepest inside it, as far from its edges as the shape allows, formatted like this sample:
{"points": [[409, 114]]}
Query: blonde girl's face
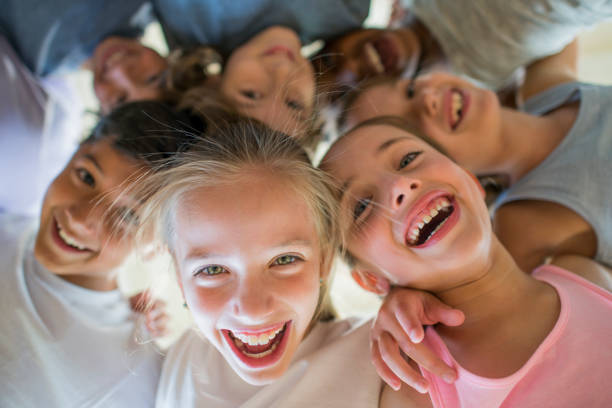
{"points": [[268, 79], [249, 263]]}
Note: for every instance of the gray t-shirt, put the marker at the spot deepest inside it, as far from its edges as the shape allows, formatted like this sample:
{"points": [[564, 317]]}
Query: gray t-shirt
{"points": [[578, 173], [489, 39]]}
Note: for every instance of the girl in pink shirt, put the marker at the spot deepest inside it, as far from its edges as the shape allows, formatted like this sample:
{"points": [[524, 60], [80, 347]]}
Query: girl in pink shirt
{"points": [[413, 218]]}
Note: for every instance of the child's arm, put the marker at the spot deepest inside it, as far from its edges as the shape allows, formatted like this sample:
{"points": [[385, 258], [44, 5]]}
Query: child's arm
{"points": [[532, 231], [399, 328], [589, 269], [551, 71]]}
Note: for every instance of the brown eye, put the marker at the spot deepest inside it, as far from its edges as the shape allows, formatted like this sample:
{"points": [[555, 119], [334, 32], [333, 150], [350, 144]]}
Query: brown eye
{"points": [[86, 177], [407, 159], [250, 94]]}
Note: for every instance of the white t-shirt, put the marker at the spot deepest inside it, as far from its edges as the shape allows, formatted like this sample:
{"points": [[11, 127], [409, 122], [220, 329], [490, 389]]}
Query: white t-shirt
{"points": [[331, 368], [62, 345], [40, 126]]}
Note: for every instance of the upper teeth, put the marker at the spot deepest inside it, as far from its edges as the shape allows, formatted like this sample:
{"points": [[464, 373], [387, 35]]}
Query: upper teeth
{"points": [[457, 107], [69, 240], [374, 58], [257, 339], [434, 210]]}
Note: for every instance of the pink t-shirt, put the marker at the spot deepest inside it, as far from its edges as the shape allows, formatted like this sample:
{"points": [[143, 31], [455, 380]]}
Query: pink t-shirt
{"points": [[571, 368]]}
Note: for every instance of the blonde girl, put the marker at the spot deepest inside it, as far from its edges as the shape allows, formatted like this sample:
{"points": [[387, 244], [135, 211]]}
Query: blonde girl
{"points": [[251, 227]]}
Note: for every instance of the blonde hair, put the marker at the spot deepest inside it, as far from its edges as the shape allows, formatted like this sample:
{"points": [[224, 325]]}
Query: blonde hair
{"points": [[232, 149]]}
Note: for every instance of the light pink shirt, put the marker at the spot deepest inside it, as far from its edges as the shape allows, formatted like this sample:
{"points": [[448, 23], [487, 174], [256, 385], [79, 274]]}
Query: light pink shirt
{"points": [[572, 367]]}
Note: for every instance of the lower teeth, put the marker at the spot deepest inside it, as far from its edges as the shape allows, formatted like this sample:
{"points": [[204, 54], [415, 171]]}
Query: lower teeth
{"points": [[262, 354]]}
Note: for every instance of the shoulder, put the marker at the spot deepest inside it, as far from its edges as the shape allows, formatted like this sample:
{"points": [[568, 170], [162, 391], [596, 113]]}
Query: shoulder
{"points": [[176, 381]]}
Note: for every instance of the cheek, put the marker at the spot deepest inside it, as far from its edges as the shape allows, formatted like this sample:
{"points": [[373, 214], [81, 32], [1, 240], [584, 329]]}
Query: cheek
{"points": [[206, 305]]}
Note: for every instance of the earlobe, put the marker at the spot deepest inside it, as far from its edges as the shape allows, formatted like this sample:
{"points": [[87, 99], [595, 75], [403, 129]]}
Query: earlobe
{"points": [[370, 282]]}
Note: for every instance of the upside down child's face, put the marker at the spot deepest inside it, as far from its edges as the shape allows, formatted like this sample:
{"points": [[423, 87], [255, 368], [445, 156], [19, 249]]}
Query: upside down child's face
{"points": [[409, 213], [268, 79], [249, 261], [455, 113], [78, 236]]}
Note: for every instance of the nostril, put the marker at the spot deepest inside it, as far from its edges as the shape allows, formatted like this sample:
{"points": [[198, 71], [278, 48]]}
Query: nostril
{"points": [[399, 199], [413, 186]]}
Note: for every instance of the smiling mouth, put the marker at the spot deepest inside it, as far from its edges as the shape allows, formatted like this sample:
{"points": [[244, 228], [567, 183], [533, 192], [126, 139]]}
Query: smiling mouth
{"points": [[381, 55], [457, 108], [258, 348], [429, 221], [69, 241]]}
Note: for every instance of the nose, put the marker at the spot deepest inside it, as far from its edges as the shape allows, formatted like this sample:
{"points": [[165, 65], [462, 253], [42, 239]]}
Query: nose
{"points": [[254, 301], [401, 187], [85, 218]]}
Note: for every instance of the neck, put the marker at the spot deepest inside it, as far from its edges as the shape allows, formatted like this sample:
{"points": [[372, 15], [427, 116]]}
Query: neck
{"points": [[525, 141], [498, 290], [92, 283]]}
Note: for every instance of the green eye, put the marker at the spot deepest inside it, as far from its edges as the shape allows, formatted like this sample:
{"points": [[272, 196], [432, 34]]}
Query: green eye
{"points": [[211, 270], [285, 260]]}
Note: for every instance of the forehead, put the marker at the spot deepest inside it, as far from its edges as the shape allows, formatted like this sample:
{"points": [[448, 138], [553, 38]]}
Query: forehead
{"points": [[365, 145], [255, 210]]}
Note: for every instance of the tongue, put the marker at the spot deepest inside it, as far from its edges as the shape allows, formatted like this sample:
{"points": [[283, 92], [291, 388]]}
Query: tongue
{"points": [[431, 227]]}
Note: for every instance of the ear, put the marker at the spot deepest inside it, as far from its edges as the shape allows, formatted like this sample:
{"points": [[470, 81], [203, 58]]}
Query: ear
{"points": [[371, 282], [480, 187]]}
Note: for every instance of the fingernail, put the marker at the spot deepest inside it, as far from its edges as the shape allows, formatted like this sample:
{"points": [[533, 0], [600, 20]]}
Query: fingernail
{"points": [[449, 378], [422, 387], [414, 337]]}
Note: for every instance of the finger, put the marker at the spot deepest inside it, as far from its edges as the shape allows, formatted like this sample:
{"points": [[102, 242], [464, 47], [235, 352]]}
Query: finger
{"points": [[426, 358], [410, 325], [156, 309], [438, 312], [390, 353], [382, 369], [139, 301], [157, 325]]}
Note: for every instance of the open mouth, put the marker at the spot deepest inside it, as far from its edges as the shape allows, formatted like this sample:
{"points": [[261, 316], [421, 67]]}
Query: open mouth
{"points": [[66, 241], [280, 50], [381, 55], [259, 348], [458, 107], [430, 221]]}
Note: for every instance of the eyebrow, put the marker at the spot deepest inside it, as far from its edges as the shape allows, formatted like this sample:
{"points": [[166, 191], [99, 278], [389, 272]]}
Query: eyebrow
{"points": [[388, 144], [201, 253], [94, 161]]}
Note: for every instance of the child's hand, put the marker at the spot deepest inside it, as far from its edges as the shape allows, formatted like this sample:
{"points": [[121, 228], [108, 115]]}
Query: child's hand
{"points": [[154, 312], [399, 325]]}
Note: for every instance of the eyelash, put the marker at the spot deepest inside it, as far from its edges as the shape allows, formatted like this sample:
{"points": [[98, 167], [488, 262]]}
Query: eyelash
{"points": [[85, 177], [210, 273], [293, 259], [214, 270], [410, 157], [250, 94], [295, 105]]}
